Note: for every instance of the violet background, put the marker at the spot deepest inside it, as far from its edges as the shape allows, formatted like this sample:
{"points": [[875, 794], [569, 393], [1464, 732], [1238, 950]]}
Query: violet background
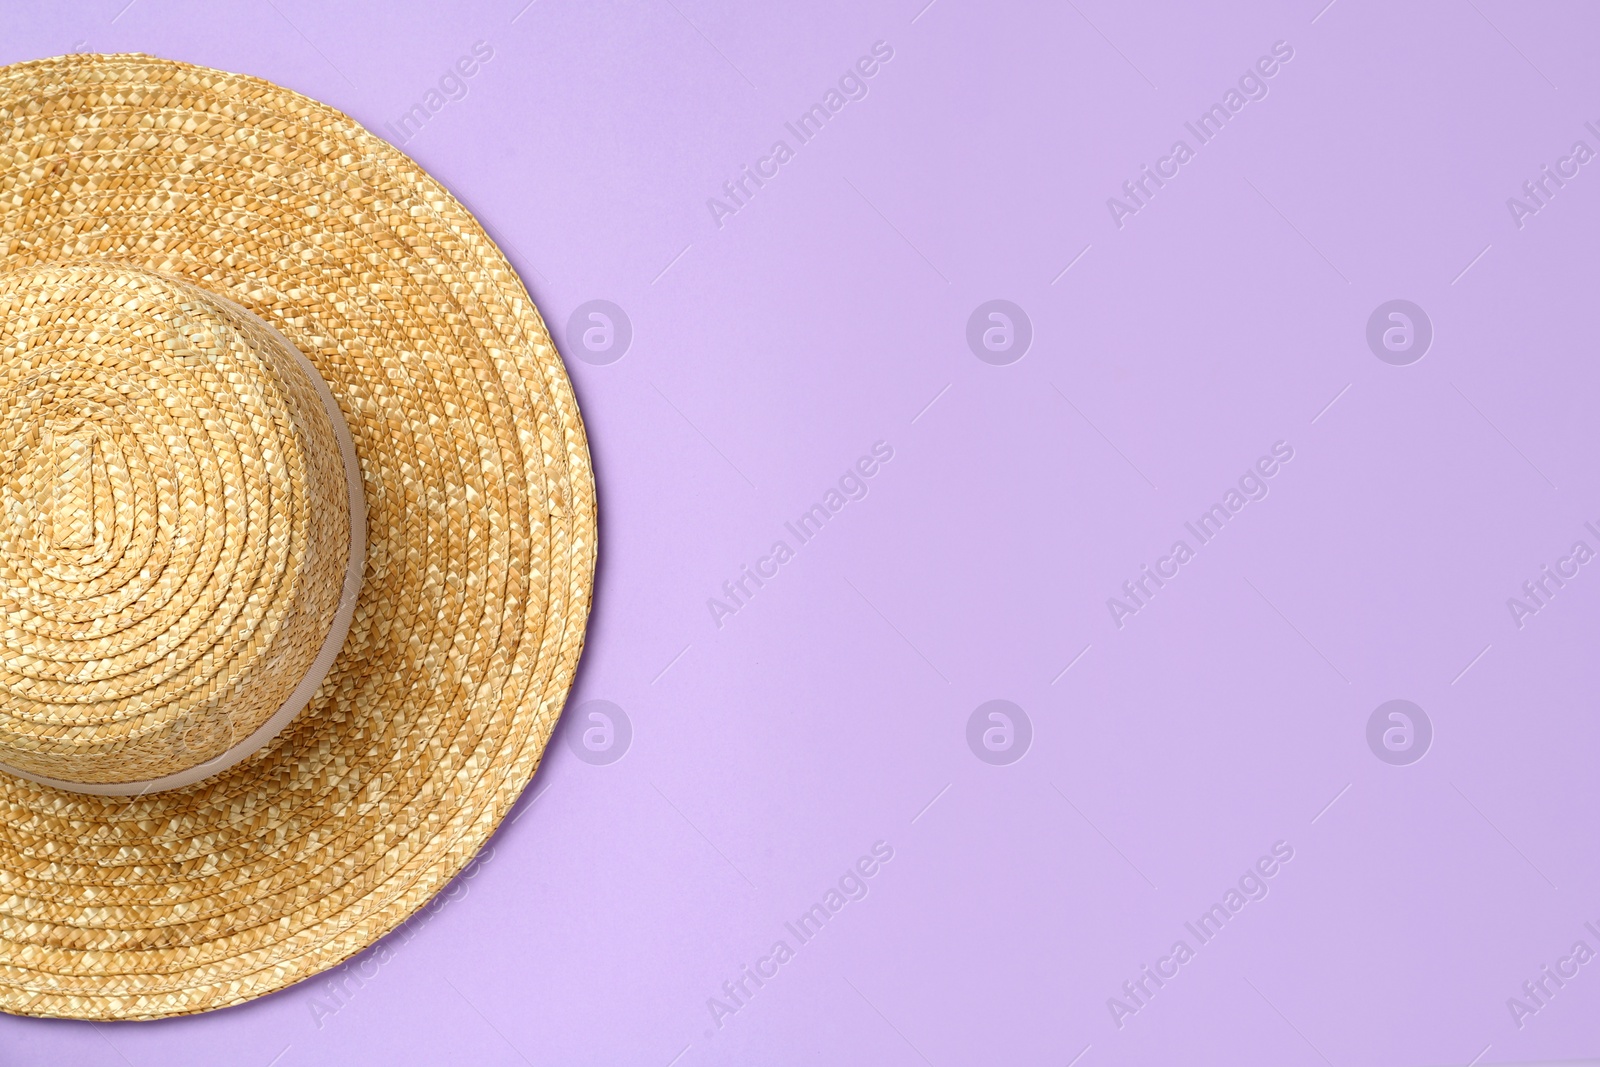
{"points": [[769, 353]]}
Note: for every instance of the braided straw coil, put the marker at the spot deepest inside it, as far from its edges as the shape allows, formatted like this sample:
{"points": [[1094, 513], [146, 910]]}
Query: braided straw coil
{"points": [[180, 528], [192, 265]]}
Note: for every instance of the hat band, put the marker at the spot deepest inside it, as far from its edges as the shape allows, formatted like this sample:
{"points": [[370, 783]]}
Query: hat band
{"points": [[302, 693]]}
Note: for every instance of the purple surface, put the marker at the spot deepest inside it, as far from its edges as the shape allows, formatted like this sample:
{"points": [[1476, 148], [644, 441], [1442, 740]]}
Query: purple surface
{"points": [[773, 345]]}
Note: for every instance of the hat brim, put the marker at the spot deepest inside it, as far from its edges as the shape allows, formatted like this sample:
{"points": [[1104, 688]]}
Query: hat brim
{"points": [[481, 542]]}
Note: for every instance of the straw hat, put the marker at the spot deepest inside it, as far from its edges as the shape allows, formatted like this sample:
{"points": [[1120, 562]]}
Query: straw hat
{"points": [[297, 537]]}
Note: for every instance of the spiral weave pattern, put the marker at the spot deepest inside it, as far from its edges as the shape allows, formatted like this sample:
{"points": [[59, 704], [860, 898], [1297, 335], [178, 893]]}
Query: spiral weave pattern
{"points": [[174, 525], [480, 541]]}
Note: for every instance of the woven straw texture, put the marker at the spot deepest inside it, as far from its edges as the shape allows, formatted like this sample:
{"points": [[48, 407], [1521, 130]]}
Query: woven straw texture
{"points": [[481, 534], [178, 524]]}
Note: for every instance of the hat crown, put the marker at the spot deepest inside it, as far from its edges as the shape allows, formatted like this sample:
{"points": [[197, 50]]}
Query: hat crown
{"points": [[175, 525]]}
